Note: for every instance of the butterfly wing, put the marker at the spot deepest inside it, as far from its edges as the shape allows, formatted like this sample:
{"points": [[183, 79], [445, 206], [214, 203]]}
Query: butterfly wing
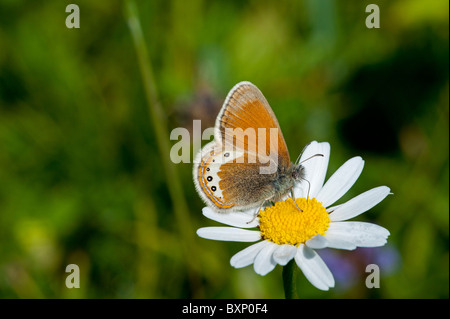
{"points": [[227, 171], [228, 181], [245, 111]]}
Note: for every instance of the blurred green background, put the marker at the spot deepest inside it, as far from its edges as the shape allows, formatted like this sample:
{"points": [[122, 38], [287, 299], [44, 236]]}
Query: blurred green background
{"points": [[84, 170]]}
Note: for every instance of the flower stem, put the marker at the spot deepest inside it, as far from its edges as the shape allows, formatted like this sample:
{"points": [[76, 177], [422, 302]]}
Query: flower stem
{"points": [[289, 280]]}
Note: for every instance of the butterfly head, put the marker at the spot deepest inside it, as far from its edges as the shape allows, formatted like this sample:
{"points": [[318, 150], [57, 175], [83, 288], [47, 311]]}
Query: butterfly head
{"points": [[298, 172]]}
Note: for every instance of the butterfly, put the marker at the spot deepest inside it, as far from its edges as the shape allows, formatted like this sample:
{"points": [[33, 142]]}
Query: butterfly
{"points": [[247, 164]]}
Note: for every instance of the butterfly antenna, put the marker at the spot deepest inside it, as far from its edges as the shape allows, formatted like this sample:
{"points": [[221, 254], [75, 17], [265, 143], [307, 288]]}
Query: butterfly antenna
{"points": [[309, 187], [311, 157], [301, 153], [298, 158], [309, 184]]}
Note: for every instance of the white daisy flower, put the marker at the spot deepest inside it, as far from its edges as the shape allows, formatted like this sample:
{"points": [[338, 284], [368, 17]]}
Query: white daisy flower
{"points": [[285, 233]]}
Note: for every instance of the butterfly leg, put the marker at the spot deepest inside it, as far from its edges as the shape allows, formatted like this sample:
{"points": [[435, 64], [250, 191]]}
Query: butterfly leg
{"points": [[256, 213], [295, 202]]}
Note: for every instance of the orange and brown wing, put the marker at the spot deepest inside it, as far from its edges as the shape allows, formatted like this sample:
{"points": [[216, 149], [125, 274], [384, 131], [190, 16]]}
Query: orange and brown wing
{"points": [[229, 172], [227, 180], [207, 180], [247, 111]]}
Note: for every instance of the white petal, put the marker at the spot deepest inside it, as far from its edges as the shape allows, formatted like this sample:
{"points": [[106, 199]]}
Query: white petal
{"points": [[314, 268], [264, 262], [229, 234], [336, 241], [235, 219], [317, 242], [283, 254], [359, 233], [341, 181], [358, 204], [247, 256], [315, 169]]}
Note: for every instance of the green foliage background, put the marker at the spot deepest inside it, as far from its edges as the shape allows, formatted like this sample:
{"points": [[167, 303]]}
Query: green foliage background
{"points": [[83, 179]]}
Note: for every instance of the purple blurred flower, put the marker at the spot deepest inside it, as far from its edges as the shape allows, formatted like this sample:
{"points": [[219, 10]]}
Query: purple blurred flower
{"points": [[349, 267]]}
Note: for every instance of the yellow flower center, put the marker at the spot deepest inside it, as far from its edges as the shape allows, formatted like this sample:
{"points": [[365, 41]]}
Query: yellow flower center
{"points": [[283, 223]]}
